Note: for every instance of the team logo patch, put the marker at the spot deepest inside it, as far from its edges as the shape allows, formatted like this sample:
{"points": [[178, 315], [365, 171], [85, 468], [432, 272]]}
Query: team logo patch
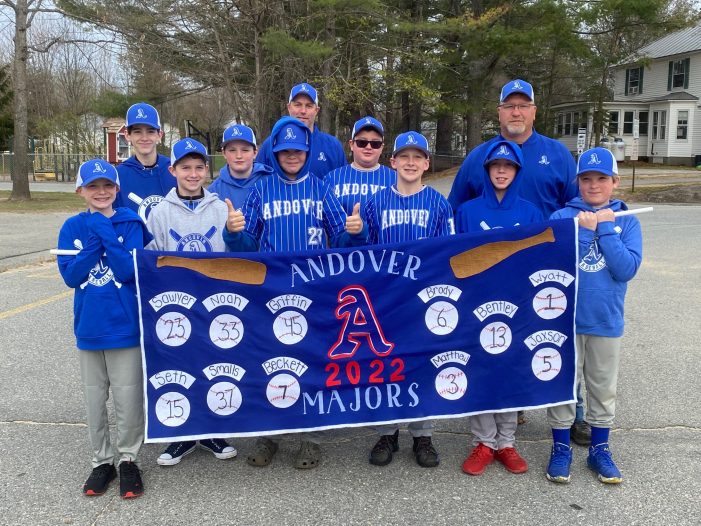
{"points": [[594, 261], [236, 132], [544, 160], [322, 157], [594, 159], [289, 134], [189, 145], [145, 205], [98, 168], [194, 242], [140, 114], [411, 140], [503, 150], [517, 85]]}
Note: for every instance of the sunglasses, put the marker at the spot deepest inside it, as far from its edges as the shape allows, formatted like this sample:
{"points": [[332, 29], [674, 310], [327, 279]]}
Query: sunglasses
{"points": [[362, 143]]}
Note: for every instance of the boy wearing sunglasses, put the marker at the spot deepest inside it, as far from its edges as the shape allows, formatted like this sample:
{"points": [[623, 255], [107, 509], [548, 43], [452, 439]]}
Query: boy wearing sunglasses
{"points": [[358, 181]]}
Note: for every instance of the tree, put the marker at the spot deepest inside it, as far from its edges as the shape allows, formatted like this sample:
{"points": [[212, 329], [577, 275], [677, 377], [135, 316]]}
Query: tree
{"points": [[5, 102]]}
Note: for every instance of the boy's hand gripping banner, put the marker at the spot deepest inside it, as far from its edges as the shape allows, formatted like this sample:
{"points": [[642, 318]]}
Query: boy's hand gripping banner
{"points": [[267, 343]]}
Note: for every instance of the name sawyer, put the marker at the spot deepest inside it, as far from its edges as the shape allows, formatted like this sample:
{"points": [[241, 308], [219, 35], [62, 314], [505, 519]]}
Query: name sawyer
{"points": [[333, 264]]}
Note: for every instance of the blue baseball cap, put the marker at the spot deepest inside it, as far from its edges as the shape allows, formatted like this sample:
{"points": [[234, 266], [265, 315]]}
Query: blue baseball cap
{"points": [[517, 86], [187, 146], [503, 150], [410, 139], [94, 169], [367, 123], [294, 135], [597, 160], [304, 89], [239, 132], [142, 113]]}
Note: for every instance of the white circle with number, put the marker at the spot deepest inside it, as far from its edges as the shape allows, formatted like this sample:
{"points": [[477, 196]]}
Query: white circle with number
{"points": [[172, 409], [549, 303], [546, 364], [290, 327], [441, 318], [451, 383], [173, 329], [224, 398], [226, 331], [283, 390], [496, 337]]}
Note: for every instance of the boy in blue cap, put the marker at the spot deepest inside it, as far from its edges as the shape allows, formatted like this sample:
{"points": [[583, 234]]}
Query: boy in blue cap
{"points": [[389, 221], [189, 219], [357, 182], [144, 176], [107, 324], [610, 252], [275, 218], [240, 173], [499, 206]]}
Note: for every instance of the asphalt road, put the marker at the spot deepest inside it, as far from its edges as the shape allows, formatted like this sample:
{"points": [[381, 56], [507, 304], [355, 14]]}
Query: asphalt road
{"points": [[45, 457]]}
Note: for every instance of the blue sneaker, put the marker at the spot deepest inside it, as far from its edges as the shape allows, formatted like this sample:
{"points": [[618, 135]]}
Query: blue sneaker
{"points": [[559, 466], [175, 452], [600, 461], [218, 447]]}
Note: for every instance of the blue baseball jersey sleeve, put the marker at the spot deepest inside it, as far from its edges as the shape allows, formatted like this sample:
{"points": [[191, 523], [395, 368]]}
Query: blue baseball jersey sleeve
{"points": [[353, 185], [392, 217]]}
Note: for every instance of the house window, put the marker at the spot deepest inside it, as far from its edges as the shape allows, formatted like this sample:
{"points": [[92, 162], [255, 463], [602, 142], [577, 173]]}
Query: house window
{"points": [[568, 123], [678, 76], [613, 123], [628, 122], [643, 118], [634, 81], [560, 124], [682, 124], [659, 125]]}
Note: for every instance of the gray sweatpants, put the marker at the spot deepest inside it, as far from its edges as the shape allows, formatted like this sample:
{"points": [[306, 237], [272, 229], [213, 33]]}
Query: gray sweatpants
{"points": [[495, 430], [597, 363], [119, 370]]}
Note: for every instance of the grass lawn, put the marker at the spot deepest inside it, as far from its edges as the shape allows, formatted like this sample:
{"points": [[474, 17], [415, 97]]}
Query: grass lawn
{"points": [[42, 202]]}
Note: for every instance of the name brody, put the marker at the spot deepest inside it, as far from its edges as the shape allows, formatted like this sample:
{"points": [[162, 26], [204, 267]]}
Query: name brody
{"points": [[404, 217], [373, 397], [295, 206], [379, 261]]}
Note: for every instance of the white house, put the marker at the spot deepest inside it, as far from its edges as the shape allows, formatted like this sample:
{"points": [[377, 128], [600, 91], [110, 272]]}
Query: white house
{"points": [[660, 87]]}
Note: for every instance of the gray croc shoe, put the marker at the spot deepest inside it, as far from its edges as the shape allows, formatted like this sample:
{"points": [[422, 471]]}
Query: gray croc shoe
{"points": [[263, 453], [308, 456]]}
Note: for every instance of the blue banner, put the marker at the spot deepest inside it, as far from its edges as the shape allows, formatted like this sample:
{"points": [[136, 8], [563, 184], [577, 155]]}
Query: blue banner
{"points": [[267, 343]]}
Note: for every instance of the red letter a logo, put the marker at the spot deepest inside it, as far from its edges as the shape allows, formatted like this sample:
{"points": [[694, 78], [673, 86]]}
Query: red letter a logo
{"points": [[359, 321]]}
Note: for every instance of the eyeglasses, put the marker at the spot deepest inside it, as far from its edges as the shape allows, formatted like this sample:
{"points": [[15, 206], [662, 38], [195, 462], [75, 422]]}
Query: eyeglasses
{"points": [[362, 143], [519, 107]]}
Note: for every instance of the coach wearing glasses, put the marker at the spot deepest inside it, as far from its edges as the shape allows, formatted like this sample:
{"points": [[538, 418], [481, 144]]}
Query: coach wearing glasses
{"points": [[548, 169], [356, 182]]}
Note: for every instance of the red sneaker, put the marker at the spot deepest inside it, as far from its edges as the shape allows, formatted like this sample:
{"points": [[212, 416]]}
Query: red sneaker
{"points": [[512, 460], [480, 457]]}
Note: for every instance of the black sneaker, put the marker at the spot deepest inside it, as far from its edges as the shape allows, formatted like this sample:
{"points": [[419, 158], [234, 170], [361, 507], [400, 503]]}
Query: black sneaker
{"points": [[175, 452], [130, 484], [381, 453], [218, 447], [426, 455], [580, 433], [99, 480]]}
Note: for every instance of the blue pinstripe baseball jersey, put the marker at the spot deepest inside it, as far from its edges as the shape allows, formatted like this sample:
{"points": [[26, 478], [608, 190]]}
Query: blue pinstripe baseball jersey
{"points": [[392, 217], [353, 185], [286, 215]]}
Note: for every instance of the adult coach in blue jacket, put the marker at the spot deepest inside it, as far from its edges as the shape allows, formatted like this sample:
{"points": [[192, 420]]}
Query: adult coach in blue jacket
{"points": [[548, 171], [326, 152]]}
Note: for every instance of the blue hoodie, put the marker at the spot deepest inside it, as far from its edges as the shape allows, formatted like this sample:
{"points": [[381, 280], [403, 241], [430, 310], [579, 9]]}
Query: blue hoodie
{"points": [[283, 214], [608, 258], [235, 189], [326, 154], [486, 212], [548, 172], [140, 189], [102, 274]]}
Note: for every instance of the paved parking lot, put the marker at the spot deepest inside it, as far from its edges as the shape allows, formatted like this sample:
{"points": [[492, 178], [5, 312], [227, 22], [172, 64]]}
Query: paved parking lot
{"points": [[656, 439]]}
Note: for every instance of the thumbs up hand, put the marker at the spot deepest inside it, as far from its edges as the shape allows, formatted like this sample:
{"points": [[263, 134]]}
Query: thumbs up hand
{"points": [[235, 222], [354, 224]]}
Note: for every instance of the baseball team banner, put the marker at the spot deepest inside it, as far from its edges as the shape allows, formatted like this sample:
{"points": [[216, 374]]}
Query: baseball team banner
{"points": [[266, 343]]}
